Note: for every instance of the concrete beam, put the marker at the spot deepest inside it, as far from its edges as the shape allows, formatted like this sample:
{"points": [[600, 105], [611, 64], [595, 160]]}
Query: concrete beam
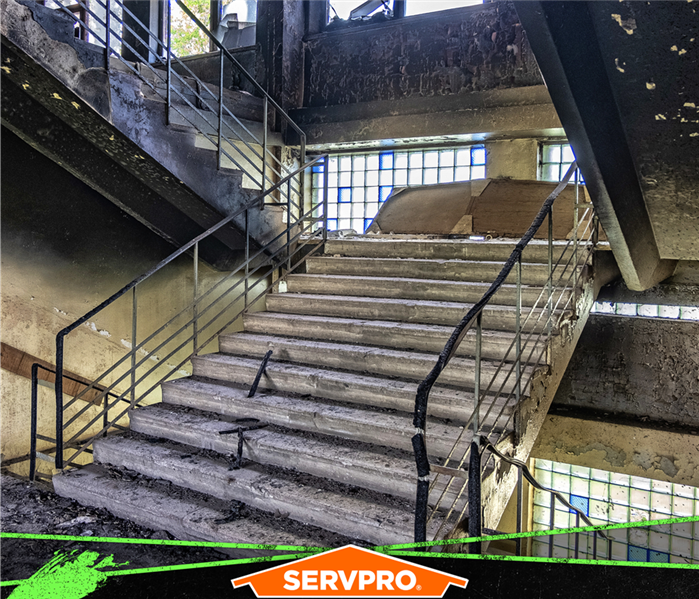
{"points": [[563, 38], [655, 453]]}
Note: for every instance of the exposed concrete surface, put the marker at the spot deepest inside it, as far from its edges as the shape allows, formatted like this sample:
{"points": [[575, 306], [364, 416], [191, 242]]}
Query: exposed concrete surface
{"points": [[627, 449], [644, 368], [272, 491]]}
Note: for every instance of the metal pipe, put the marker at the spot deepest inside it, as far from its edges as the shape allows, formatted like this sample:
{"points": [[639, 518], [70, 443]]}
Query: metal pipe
{"points": [[220, 110], [550, 271], [325, 197], [264, 142], [520, 487], [34, 410], [134, 344], [59, 400], [577, 536], [576, 224], [195, 331], [169, 61], [552, 523], [288, 226], [474, 497], [477, 385], [108, 35], [247, 256], [518, 334]]}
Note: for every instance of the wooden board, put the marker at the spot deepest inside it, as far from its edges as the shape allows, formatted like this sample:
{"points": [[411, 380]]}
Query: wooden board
{"points": [[19, 362]]}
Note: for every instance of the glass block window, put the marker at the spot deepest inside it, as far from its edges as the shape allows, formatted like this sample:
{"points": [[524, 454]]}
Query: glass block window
{"points": [[647, 310], [359, 183], [554, 161], [609, 498]]}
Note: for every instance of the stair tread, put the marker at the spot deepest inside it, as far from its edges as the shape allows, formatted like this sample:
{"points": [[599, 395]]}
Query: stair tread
{"points": [[255, 485], [325, 417], [184, 514], [281, 447], [396, 393], [420, 281]]}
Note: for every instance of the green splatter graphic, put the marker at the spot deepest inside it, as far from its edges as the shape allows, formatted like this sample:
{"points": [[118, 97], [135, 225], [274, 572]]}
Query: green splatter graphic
{"points": [[66, 576]]}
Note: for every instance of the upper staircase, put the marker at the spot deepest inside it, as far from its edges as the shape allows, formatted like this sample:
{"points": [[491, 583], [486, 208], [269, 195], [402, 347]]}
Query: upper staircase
{"points": [[350, 338]]}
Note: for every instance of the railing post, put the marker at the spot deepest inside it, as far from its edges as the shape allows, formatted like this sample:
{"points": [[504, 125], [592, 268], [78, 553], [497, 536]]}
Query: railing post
{"points": [[518, 333], [59, 401], [474, 471], [107, 34], [520, 486], [34, 410], [594, 545], [195, 329], [220, 110], [265, 108], [551, 523], [576, 224], [288, 226], [326, 162], [549, 327], [134, 343], [577, 535], [247, 255], [168, 60]]}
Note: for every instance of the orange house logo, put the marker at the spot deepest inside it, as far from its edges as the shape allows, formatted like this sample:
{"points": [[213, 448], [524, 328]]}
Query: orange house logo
{"points": [[350, 572]]}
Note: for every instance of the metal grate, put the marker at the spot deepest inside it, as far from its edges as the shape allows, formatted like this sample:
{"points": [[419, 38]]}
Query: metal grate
{"points": [[611, 498], [359, 183]]}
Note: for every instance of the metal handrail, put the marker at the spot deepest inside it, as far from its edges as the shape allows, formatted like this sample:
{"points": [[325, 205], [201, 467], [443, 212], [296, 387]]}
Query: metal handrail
{"points": [[474, 317], [269, 252]]}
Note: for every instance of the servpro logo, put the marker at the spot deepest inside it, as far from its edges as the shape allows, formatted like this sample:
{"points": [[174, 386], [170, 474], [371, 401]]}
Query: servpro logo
{"points": [[350, 572]]}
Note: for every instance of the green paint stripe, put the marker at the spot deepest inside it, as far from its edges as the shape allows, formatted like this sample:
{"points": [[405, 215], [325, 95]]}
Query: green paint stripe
{"points": [[215, 545], [542, 533], [230, 562]]}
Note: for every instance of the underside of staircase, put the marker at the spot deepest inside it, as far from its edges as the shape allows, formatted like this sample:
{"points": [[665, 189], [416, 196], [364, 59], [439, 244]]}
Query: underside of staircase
{"points": [[351, 337]]}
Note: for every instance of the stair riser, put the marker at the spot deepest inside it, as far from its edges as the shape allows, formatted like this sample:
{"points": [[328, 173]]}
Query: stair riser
{"points": [[383, 394], [367, 332], [401, 289], [436, 250], [213, 478], [256, 448], [477, 272], [364, 430], [292, 303], [459, 373]]}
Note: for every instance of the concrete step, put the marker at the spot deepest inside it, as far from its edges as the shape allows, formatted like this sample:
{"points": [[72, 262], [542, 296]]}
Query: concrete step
{"points": [[420, 289], [370, 360], [365, 517], [399, 335], [368, 466], [184, 514], [449, 270], [497, 250], [496, 318], [455, 404], [368, 426]]}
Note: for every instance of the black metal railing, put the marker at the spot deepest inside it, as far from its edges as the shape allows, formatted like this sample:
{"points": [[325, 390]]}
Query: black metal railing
{"points": [[440, 503], [134, 376], [525, 474], [112, 25]]}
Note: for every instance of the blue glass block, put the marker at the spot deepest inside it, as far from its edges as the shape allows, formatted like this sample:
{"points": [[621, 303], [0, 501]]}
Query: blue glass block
{"points": [[637, 554], [384, 192], [345, 194], [386, 161], [582, 503], [367, 223], [332, 224], [658, 557], [478, 156], [319, 167]]}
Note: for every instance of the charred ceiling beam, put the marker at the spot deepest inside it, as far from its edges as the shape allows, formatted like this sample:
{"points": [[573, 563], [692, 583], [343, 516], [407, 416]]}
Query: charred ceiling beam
{"points": [[566, 45]]}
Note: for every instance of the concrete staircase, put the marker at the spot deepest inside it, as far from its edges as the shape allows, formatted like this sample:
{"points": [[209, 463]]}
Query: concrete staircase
{"points": [[351, 338]]}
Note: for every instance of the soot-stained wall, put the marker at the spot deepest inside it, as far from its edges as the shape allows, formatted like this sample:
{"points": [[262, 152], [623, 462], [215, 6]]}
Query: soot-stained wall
{"points": [[643, 368], [451, 52]]}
